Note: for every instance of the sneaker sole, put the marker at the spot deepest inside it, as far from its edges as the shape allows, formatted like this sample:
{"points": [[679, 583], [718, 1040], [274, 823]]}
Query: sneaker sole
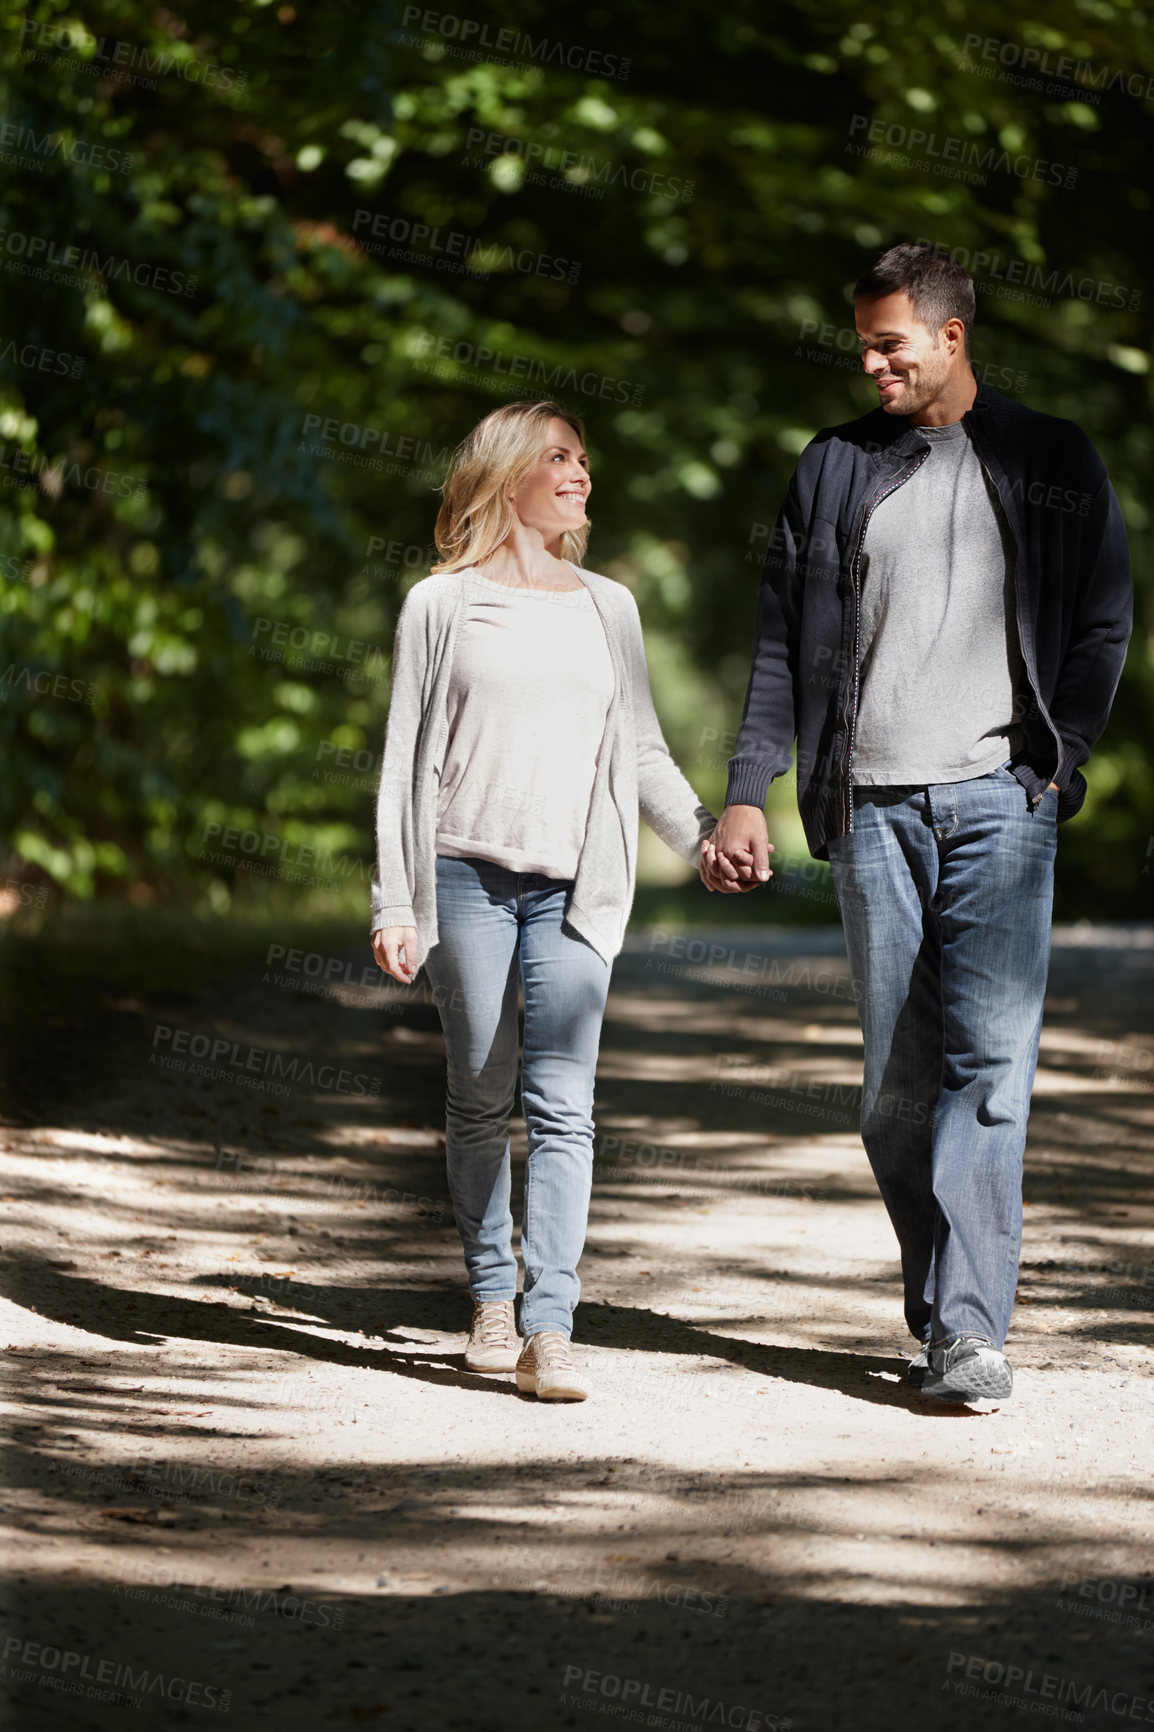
{"points": [[982, 1383], [527, 1384], [509, 1363]]}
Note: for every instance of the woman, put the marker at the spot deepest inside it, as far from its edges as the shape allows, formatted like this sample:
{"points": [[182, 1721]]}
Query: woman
{"points": [[521, 744]]}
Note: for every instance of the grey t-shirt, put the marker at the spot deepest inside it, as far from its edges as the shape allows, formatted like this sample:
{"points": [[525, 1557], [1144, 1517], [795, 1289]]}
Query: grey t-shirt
{"points": [[939, 656]]}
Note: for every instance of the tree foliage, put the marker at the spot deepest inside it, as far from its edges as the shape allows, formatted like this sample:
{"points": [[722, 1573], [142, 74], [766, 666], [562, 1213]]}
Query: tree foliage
{"points": [[263, 266]]}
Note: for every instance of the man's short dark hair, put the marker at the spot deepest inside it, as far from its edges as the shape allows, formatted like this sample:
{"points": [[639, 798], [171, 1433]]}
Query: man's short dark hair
{"points": [[936, 284]]}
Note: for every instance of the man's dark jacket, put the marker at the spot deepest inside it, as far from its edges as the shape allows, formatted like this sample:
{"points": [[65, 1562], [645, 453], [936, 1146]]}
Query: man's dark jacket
{"points": [[1072, 583]]}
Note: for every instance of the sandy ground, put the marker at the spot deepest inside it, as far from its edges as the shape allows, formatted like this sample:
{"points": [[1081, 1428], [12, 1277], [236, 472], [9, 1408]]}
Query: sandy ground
{"points": [[250, 1477]]}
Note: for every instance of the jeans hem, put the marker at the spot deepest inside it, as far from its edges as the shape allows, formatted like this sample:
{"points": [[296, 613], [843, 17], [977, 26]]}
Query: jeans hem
{"points": [[952, 1335], [557, 1328]]}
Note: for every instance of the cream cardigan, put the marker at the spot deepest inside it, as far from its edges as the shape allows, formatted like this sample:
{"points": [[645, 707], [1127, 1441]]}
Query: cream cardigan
{"points": [[635, 773]]}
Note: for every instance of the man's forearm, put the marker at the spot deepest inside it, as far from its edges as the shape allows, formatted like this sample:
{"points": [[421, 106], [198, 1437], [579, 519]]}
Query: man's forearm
{"points": [[766, 732]]}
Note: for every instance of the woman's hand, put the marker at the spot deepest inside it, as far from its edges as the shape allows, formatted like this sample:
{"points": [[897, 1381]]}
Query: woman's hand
{"points": [[735, 869], [395, 948]]}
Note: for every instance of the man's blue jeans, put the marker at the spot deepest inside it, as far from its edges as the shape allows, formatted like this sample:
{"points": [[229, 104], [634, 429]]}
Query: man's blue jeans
{"points": [[946, 895], [495, 927]]}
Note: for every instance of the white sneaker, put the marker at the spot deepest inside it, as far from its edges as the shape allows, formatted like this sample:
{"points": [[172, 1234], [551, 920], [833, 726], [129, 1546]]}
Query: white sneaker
{"points": [[546, 1368], [493, 1339]]}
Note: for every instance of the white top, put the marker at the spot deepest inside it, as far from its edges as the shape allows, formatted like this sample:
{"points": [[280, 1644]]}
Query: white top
{"points": [[635, 774], [528, 696]]}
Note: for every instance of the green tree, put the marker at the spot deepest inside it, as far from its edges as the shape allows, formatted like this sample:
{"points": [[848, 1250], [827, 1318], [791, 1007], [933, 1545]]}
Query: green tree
{"points": [[263, 267]]}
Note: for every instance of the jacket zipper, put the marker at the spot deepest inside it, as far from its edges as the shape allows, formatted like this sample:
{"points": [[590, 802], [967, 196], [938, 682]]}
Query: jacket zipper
{"points": [[849, 718], [1024, 644]]}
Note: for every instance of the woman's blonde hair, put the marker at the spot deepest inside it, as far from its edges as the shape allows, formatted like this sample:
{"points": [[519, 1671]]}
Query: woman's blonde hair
{"points": [[476, 515]]}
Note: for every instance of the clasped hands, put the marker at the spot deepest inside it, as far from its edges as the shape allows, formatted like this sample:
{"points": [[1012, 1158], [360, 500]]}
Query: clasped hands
{"points": [[736, 857], [733, 859]]}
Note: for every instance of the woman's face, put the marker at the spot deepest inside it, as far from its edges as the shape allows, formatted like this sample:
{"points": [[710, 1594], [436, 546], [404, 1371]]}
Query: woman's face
{"points": [[551, 497]]}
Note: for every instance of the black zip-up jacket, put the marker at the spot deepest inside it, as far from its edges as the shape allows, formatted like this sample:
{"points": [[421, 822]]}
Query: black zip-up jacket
{"points": [[1072, 583]]}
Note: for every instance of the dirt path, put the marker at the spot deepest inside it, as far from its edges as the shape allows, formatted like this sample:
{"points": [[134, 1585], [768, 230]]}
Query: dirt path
{"points": [[250, 1475]]}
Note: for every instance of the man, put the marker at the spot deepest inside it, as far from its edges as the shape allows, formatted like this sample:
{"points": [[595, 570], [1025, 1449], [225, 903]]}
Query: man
{"points": [[942, 622]]}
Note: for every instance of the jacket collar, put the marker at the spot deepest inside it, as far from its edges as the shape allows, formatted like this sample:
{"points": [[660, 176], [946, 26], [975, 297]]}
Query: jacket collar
{"points": [[899, 438], [991, 420], [989, 408]]}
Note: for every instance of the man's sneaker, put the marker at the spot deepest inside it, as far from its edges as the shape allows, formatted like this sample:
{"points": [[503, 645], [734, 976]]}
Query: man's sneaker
{"points": [[917, 1368], [493, 1339], [966, 1368], [546, 1368]]}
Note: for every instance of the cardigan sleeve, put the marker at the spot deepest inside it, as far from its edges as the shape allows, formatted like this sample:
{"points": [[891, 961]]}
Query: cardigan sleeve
{"points": [[394, 882], [667, 801]]}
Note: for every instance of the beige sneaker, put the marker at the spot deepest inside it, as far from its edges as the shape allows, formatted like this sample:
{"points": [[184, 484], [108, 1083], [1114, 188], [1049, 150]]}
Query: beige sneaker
{"points": [[546, 1369], [493, 1339]]}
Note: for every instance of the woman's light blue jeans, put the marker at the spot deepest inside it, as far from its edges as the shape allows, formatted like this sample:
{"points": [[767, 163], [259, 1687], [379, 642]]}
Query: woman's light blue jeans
{"points": [[946, 893], [496, 927]]}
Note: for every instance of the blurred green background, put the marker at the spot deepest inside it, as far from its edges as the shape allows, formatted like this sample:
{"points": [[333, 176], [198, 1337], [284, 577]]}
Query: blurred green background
{"points": [[263, 266]]}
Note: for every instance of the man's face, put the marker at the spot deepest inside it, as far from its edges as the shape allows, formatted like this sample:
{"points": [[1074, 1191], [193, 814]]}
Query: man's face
{"points": [[910, 365]]}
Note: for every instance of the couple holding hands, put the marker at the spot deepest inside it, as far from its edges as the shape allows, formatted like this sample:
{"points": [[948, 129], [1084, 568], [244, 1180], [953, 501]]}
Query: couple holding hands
{"points": [[943, 643]]}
